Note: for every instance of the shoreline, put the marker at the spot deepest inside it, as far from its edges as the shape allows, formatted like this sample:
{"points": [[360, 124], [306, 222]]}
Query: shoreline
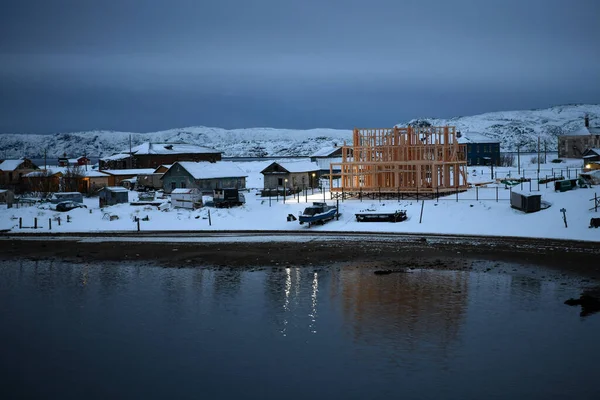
{"points": [[276, 249]]}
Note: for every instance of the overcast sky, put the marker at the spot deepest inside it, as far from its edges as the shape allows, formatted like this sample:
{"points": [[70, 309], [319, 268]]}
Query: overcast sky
{"points": [[146, 65]]}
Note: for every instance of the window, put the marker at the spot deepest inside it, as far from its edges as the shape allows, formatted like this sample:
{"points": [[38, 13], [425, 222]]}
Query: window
{"points": [[173, 185], [183, 186], [279, 181]]}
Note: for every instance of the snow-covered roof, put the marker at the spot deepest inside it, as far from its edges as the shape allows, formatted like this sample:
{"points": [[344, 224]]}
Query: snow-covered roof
{"points": [[114, 157], [475, 137], [167, 166], [208, 170], [10, 165], [184, 191], [41, 173], [94, 174], [299, 166], [116, 189], [122, 172], [325, 151], [583, 131], [171, 148], [595, 150]]}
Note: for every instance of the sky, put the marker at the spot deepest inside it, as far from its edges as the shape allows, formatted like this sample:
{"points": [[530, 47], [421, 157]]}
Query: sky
{"points": [[148, 65]]}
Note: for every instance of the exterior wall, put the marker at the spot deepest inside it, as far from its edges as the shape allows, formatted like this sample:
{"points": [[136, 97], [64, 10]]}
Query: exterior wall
{"points": [[7, 197], [574, 146], [295, 180], [109, 198], [177, 178], [476, 153], [44, 184], [156, 160], [94, 183]]}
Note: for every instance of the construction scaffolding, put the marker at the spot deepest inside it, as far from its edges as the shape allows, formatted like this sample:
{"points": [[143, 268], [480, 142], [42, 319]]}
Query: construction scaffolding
{"points": [[411, 160]]}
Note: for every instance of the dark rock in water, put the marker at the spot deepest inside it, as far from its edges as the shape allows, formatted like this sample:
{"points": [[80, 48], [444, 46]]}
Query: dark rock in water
{"points": [[589, 302]]}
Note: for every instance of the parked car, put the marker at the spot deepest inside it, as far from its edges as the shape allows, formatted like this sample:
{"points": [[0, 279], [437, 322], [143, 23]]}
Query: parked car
{"points": [[68, 206]]}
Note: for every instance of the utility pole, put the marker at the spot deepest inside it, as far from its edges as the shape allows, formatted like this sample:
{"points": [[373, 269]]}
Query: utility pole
{"points": [[538, 156], [45, 167], [545, 151], [519, 160]]}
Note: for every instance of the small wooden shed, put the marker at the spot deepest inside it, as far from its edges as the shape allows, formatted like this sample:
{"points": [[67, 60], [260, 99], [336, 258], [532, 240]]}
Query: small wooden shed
{"points": [[7, 197], [111, 195], [186, 198], [525, 201]]}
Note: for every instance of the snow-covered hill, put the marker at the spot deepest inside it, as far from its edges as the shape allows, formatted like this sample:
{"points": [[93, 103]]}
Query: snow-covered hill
{"points": [[512, 128]]}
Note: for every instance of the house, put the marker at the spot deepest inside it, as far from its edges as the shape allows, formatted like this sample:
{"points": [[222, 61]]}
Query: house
{"points": [[153, 155], [292, 175], [591, 156], [152, 181], [325, 156], [117, 176], [45, 180], [111, 195], [204, 176], [7, 197], [12, 172], [186, 198], [574, 144], [95, 180], [64, 161], [480, 149]]}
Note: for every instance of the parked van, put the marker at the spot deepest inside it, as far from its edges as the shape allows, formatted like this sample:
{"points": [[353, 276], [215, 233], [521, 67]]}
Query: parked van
{"points": [[66, 196]]}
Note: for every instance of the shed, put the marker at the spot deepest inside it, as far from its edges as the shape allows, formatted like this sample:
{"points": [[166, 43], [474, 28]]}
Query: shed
{"points": [[186, 198], [111, 195], [291, 175], [524, 201], [204, 176], [7, 197]]}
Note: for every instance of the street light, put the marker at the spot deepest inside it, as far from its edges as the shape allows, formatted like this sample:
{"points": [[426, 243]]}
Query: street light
{"points": [[312, 184], [284, 189]]}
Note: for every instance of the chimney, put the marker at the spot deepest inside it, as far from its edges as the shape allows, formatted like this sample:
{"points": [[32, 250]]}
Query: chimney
{"points": [[587, 121]]}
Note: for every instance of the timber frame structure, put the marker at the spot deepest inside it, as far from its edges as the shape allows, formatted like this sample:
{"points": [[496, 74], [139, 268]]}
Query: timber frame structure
{"points": [[402, 161]]}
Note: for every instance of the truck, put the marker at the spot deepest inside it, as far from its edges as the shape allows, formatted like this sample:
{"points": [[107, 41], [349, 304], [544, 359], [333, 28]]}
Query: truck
{"points": [[228, 197]]}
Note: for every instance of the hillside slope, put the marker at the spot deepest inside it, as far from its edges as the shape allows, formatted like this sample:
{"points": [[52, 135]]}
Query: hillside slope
{"points": [[512, 128]]}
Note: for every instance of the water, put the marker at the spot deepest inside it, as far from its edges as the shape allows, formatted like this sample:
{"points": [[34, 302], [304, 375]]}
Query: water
{"points": [[137, 331]]}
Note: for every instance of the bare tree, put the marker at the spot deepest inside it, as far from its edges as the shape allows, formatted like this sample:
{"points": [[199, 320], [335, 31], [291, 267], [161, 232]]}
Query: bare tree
{"points": [[73, 178]]}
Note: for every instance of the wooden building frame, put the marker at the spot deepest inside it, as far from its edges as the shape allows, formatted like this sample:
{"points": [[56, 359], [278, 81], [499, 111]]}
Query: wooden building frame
{"points": [[421, 160]]}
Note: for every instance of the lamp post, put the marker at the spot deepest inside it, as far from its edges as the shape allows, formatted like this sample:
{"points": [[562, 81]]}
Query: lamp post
{"points": [[312, 183], [284, 189]]}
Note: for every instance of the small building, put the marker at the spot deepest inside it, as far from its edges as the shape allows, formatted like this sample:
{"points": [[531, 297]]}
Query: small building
{"points": [[574, 144], [325, 157], [591, 155], [45, 180], [524, 201], [480, 148], [186, 198], [152, 181], [13, 171], [292, 175], [111, 195], [7, 197], [65, 161], [153, 155], [95, 180], [204, 176]]}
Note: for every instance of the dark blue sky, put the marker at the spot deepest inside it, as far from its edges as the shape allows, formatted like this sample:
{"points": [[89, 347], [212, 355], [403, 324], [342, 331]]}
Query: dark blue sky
{"points": [[146, 65]]}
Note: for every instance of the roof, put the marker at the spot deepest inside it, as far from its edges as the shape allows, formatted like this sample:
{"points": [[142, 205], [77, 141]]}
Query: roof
{"points": [[47, 172], [119, 156], [208, 170], [10, 165], [124, 172], [116, 189], [583, 131], [297, 166], [475, 137], [94, 174], [184, 191], [167, 166], [325, 151], [171, 148]]}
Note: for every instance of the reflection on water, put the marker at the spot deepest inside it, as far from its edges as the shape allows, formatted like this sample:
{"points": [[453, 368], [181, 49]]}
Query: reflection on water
{"points": [[134, 331]]}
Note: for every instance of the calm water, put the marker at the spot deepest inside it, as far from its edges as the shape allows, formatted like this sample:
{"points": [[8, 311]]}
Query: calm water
{"points": [[134, 331]]}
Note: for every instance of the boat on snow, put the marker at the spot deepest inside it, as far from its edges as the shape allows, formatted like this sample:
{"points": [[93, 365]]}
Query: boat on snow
{"points": [[317, 213]]}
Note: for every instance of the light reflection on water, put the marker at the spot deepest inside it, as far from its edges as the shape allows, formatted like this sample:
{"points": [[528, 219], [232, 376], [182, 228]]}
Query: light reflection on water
{"points": [[135, 331]]}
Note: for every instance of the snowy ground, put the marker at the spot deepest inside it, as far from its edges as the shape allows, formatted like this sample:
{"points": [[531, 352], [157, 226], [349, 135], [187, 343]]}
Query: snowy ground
{"points": [[470, 216]]}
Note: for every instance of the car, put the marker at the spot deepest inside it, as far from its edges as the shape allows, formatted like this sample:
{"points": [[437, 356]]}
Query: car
{"points": [[69, 205]]}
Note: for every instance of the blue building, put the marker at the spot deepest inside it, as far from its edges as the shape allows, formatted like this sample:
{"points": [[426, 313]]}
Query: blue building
{"points": [[480, 149]]}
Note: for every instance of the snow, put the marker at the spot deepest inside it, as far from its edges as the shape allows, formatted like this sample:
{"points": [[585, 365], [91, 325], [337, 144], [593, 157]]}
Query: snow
{"points": [[10, 165], [171, 148], [183, 191], [475, 137], [446, 216], [208, 170], [122, 172], [116, 189], [94, 174], [298, 166], [325, 151]]}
